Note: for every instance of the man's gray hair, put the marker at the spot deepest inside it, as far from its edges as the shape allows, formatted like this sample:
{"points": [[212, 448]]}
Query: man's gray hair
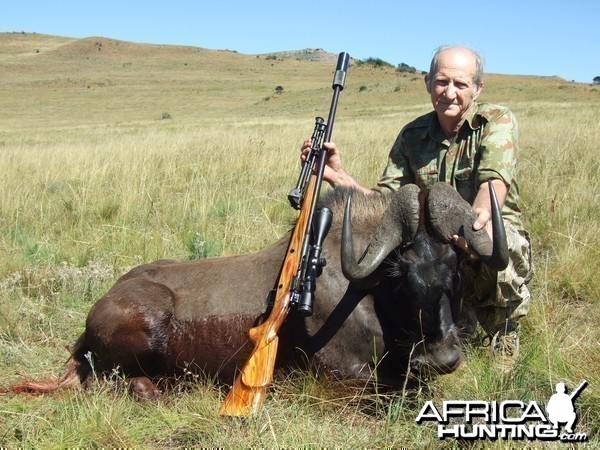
{"points": [[477, 77]]}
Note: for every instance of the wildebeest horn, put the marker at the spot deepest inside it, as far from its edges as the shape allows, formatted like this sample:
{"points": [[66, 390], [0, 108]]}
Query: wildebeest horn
{"points": [[449, 214], [398, 224]]}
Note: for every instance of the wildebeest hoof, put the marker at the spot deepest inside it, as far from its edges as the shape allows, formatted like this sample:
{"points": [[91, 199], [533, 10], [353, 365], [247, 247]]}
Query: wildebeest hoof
{"points": [[143, 389]]}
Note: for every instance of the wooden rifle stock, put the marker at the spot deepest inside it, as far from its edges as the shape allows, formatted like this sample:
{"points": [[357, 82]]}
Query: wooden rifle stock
{"points": [[247, 394]]}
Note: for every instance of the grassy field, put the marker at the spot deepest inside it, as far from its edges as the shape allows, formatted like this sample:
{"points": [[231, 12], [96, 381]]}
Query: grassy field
{"points": [[114, 153]]}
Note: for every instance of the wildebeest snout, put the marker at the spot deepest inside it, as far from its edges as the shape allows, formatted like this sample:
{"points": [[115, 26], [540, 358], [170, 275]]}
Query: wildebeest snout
{"points": [[439, 357]]}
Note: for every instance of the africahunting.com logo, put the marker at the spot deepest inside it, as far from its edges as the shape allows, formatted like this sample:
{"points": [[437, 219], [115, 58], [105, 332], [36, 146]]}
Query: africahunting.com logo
{"points": [[510, 419]]}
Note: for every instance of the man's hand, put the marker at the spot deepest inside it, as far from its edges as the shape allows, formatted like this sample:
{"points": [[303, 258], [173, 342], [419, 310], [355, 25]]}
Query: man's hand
{"points": [[482, 220], [333, 169], [482, 209], [334, 172]]}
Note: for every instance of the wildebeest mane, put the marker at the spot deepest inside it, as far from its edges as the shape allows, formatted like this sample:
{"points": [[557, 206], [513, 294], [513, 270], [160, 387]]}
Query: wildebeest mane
{"points": [[367, 209]]}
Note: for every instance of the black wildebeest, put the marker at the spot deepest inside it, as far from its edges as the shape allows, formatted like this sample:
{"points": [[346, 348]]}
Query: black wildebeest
{"points": [[402, 300]]}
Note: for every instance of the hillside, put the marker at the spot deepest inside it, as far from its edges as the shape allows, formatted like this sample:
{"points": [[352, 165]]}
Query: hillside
{"points": [[46, 80]]}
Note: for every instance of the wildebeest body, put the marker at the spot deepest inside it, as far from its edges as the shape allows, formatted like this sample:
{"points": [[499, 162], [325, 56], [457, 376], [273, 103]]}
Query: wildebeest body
{"points": [[163, 317], [167, 318]]}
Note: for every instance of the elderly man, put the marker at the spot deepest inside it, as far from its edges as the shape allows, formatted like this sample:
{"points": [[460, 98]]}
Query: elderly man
{"points": [[464, 143]]}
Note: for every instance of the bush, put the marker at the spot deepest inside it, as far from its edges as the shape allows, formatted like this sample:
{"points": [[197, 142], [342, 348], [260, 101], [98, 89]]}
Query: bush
{"points": [[375, 62], [405, 68]]}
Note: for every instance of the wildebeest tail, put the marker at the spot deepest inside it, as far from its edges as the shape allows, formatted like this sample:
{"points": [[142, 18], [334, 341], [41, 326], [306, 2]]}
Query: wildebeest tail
{"points": [[77, 370]]}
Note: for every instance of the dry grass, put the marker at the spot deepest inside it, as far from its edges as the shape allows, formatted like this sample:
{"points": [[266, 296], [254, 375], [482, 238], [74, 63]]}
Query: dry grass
{"points": [[93, 181]]}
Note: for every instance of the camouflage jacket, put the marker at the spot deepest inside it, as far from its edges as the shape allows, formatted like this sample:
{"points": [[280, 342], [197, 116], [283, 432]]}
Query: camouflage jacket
{"points": [[484, 148]]}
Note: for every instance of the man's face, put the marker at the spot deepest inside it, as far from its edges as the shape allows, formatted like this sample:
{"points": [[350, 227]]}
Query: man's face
{"points": [[452, 87]]}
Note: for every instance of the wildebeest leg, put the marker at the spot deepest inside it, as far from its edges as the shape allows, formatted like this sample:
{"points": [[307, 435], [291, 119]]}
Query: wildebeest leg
{"points": [[128, 328], [141, 387]]}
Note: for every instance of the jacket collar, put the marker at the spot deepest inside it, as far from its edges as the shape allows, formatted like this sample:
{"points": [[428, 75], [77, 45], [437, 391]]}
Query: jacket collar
{"points": [[434, 131]]}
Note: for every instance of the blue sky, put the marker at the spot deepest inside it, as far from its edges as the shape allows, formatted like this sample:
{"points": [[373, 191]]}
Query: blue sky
{"points": [[526, 37]]}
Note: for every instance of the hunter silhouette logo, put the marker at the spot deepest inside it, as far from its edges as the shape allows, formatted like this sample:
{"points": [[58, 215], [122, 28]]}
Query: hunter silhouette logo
{"points": [[560, 407], [508, 419]]}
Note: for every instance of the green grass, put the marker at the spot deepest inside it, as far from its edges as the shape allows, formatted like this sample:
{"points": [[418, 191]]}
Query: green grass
{"points": [[93, 182]]}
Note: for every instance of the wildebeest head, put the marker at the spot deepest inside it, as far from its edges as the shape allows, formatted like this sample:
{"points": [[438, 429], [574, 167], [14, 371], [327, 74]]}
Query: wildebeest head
{"points": [[411, 249]]}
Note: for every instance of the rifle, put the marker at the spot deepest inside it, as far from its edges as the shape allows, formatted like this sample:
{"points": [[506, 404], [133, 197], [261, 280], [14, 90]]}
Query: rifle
{"points": [[295, 284]]}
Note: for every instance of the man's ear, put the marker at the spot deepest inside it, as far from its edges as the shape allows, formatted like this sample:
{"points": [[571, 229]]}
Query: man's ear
{"points": [[478, 88], [426, 78]]}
